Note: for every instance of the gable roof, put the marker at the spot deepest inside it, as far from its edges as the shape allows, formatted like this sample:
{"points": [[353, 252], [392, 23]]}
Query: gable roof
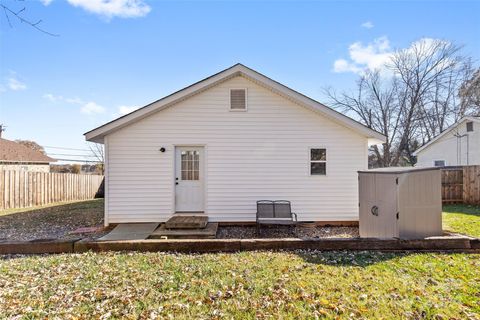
{"points": [[11, 151], [446, 131], [97, 134]]}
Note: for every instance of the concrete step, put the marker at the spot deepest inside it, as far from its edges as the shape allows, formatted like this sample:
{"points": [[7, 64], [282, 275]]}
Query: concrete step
{"points": [[209, 232], [187, 222]]}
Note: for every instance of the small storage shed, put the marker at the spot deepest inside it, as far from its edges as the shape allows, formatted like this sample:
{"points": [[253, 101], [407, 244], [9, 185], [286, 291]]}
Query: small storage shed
{"points": [[400, 203]]}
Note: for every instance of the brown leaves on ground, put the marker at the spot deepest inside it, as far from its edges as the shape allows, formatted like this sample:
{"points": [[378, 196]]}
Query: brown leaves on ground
{"points": [[51, 222], [247, 285]]}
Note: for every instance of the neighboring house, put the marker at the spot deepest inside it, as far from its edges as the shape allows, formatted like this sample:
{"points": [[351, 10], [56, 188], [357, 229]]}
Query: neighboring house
{"points": [[15, 156], [227, 141], [456, 146]]}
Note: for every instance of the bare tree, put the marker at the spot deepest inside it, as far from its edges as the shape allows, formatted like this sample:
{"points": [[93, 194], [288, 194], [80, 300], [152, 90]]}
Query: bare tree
{"points": [[31, 145], [470, 94], [374, 103], [431, 73], [18, 14], [98, 153], [419, 100]]}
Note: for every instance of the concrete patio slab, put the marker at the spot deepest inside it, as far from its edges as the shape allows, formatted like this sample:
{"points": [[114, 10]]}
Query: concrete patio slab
{"points": [[130, 231]]}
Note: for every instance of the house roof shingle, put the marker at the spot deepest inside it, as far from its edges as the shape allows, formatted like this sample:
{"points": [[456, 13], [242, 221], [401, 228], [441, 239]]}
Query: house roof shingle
{"points": [[11, 151]]}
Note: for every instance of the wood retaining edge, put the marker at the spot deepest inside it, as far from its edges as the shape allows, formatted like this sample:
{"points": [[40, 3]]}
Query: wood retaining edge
{"points": [[456, 243], [37, 247], [233, 245]]}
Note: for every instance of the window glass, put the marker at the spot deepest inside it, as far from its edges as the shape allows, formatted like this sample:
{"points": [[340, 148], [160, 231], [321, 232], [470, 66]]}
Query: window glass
{"points": [[318, 154], [439, 163], [190, 165], [318, 168], [318, 161]]}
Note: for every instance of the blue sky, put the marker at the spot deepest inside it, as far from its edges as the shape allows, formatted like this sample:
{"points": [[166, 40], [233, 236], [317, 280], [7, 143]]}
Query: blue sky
{"points": [[111, 58]]}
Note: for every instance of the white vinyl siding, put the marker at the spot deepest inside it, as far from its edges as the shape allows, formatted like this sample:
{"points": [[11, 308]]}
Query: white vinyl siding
{"points": [[249, 156], [454, 148]]}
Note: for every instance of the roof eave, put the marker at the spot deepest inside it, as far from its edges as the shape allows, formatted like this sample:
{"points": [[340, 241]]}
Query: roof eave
{"points": [[446, 131], [97, 134]]}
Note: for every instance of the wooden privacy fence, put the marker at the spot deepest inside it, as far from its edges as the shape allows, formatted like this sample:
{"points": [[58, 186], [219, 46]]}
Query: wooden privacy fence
{"points": [[20, 189], [461, 185]]}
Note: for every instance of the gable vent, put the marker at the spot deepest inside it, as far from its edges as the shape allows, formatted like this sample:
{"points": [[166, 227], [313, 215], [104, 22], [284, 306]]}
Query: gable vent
{"points": [[238, 99]]}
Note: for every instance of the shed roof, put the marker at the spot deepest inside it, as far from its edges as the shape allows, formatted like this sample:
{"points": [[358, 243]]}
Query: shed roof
{"points": [[97, 134], [11, 151], [398, 170]]}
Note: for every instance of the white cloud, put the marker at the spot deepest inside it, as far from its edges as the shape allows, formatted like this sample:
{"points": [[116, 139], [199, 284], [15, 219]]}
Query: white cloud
{"points": [[15, 84], [52, 97], [92, 108], [55, 99], [123, 110], [114, 8], [367, 25], [46, 2], [74, 100], [342, 65], [372, 56]]}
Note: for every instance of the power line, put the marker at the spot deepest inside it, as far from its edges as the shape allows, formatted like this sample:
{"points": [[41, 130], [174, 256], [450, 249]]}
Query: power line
{"points": [[77, 160], [73, 155], [66, 148]]}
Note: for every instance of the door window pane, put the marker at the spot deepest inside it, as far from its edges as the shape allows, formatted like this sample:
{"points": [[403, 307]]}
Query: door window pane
{"points": [[190, 165]]}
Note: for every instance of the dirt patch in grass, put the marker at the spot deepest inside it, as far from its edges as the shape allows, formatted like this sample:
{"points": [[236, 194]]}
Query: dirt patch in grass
{"points": [[250, 232], [52, 222]]}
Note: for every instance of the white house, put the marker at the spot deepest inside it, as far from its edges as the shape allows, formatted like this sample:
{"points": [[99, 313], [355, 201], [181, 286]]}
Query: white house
{"points": [[456, 146], [221, 144]]}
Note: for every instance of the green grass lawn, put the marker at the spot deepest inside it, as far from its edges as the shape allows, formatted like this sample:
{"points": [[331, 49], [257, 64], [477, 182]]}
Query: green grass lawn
{"points": [[462, 219], [246, 285]]}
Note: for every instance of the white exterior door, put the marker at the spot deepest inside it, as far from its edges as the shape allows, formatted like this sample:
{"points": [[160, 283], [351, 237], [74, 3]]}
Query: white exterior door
{"points": [[189, 179]]}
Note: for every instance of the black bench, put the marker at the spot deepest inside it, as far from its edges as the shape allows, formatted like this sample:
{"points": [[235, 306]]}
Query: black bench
{"points": [[278, 212]]}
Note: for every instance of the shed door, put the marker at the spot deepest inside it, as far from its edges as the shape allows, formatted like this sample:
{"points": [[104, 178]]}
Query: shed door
{"points": [[189, 177], [386, 201], [378, 205]]}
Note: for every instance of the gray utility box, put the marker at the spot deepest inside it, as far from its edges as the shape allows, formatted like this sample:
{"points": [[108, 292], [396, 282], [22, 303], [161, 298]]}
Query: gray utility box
{"points": [[400, 203]]}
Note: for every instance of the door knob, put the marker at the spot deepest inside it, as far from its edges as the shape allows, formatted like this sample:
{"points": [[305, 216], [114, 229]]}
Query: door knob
{"points": [[374, 211]]}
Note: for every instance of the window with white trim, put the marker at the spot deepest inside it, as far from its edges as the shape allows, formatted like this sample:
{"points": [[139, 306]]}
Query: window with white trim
{"points": [[470, 126], [318, 161], [238, 99], [439, 163]]}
